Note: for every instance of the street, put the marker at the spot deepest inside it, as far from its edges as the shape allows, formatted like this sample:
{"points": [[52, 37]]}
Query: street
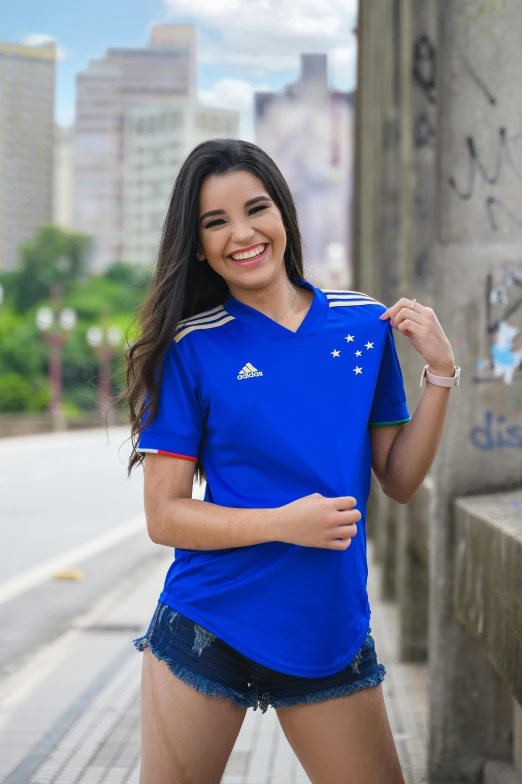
{"points": [[66, 504]]}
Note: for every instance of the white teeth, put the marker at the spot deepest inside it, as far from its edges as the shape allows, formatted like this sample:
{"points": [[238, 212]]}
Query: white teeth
{"points": [[250, 255]]}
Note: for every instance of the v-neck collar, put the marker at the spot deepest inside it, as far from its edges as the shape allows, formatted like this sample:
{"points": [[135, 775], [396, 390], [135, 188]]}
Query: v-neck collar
{"points": [[309, 326]]}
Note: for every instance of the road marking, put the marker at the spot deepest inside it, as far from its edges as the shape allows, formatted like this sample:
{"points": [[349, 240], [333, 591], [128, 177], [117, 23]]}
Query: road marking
{"points": [[24, 581]]}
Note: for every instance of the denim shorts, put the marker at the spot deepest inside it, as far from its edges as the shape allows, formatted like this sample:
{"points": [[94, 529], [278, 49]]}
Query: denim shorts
{"points": [[210, 665]]}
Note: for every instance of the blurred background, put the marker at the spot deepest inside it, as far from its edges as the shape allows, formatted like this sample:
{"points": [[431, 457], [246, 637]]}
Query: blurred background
{"points": [[398, 126], [99, 106]]}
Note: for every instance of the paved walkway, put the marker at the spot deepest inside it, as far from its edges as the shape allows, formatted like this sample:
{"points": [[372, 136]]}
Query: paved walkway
{"points": [[72, 715]]}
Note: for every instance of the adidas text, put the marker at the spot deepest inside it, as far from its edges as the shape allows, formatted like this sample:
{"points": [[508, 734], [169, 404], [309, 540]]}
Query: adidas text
{"points": [[248, 371], [249, 375]]}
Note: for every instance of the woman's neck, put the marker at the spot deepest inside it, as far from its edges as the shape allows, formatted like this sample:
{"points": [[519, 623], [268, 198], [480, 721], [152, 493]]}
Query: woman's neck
{"points": [[281, 300]]}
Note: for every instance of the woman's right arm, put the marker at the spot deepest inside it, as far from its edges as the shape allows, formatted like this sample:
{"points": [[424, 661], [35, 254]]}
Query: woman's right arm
{"points": [[175, 519]]}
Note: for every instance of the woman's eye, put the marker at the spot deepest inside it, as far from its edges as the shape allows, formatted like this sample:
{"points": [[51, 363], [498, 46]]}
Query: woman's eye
{"points": [[219, 221]]}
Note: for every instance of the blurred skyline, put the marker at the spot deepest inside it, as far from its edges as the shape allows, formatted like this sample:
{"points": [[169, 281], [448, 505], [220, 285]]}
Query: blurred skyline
{"points": [[243, 45]]}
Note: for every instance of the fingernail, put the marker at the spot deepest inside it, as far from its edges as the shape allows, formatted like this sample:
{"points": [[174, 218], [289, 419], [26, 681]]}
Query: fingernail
{"points": [[393, 323], [383, 315]]}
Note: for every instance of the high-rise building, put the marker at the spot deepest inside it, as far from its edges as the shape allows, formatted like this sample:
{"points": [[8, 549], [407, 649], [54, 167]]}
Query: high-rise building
{"points": [[307, 130], [63, 190], [158, 137], [124, 77], [27, 75]]}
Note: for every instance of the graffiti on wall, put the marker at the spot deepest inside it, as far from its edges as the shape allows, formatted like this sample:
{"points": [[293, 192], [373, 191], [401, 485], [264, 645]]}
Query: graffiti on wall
{"points": [[497, 432], [424, 73], [504, 328]]}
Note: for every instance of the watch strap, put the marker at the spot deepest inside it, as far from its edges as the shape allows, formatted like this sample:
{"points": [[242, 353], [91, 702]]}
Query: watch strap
{"points": [[441, 381]]}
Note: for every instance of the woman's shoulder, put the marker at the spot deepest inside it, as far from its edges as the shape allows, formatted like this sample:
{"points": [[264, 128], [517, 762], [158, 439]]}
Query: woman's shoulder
{"points": [[350, 298], [207, 319]]}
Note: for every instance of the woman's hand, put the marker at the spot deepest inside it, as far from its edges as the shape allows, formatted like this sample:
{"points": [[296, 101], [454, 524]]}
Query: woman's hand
{"points": [[423, 328], [317, 521]]}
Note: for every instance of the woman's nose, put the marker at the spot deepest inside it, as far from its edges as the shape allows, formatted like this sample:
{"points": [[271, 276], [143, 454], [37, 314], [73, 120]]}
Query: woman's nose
{"points": [[242, 231]]}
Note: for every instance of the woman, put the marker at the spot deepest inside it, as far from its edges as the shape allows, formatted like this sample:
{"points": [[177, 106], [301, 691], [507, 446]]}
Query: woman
{"points": [[284, 397]]}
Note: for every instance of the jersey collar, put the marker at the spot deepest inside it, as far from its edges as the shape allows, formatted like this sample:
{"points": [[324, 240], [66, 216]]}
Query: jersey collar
{"points": [[311, 323]]}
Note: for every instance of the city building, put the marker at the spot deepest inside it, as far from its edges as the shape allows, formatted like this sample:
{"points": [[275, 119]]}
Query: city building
{"points": [[158, 137], [308, 130], [124, 77], [63, 182], [27, 78]]}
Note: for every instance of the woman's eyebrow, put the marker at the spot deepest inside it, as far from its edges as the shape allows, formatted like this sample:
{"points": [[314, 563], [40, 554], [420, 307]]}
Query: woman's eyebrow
{"points": [[222, 212]]}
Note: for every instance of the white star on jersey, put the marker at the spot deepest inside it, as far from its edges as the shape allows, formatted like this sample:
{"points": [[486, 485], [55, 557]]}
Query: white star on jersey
{"points": [[335, 353], [357, 371], [358, 353], [369, 345], [349, 338]]}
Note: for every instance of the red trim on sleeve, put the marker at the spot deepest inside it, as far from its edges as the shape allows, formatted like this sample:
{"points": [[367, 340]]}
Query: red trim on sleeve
{"points": [[173, 454]]}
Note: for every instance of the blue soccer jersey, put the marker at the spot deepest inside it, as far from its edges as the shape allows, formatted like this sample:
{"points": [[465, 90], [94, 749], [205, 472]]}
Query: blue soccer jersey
{"points": [[275, 415]]}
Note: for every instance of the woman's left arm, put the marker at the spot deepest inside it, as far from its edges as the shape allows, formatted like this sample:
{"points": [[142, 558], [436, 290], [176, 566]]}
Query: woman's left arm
{"points": [[403, 454]]}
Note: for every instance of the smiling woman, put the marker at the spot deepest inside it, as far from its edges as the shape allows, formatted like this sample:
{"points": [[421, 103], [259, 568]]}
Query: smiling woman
{"points": [[250, 376], [249, 234]]}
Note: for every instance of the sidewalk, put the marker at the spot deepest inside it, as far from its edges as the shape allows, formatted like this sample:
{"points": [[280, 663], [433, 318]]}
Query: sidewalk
{"points": [[72, 715]]}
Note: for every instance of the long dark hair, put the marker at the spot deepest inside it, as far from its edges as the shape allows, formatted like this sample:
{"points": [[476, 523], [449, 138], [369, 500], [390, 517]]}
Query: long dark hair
{"points": [[183, 286]]}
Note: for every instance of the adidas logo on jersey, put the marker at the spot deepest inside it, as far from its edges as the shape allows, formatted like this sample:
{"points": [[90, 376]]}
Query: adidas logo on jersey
{"points": [[249, 371]]}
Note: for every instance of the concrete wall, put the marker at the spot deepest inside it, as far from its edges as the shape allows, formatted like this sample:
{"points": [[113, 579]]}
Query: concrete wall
{"points": [[460, 228], [31, 424]]}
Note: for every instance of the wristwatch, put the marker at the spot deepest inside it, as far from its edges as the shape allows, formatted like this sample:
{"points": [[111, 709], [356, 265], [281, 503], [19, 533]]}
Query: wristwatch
{"points": [[441, 381]]}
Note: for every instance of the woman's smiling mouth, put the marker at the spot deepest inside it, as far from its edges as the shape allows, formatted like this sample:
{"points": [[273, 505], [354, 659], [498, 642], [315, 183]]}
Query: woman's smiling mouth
{"points": [[249, 256]]}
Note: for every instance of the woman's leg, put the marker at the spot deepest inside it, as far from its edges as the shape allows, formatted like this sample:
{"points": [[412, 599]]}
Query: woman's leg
{"points": [[187, 736], [345, 740]]}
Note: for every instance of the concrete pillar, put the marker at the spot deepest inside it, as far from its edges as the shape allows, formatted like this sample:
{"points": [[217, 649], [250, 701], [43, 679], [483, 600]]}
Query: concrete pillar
{"points": [[389, 249], [418, 236], [382, 506], [478, 274], [412, 575], [517, 736], [368, 149], [424, 135], [396, 250], [372, 510]]}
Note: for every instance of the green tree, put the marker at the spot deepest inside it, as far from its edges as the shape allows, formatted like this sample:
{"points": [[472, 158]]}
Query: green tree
{"points": [[23, 359], [112, 298], [53, 257]]}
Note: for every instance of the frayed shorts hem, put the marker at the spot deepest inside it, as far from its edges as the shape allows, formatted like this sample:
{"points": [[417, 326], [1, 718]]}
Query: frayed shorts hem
{"points": [[336, 691], [254, 699], [197, 681]]}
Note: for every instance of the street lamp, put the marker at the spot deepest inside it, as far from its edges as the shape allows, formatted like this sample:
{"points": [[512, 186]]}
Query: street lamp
{"points": [[105, 344], [336, 265], [54, 324]]}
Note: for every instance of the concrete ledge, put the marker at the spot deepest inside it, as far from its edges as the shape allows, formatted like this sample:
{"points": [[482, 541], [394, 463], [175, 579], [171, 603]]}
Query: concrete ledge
{"points": [[488, 578], [29, 423], [500, 773]]}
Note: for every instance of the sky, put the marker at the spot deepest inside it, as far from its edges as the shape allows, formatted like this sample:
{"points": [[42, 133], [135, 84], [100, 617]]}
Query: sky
{"points": [[243, 45]]}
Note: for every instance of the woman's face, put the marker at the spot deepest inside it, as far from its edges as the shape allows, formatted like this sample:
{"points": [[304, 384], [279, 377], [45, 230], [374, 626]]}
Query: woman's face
{"points": [[244, 239]]}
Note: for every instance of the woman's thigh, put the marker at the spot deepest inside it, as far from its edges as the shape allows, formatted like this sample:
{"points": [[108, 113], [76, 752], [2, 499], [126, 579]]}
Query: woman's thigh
{"points": [[187, 736], [345, 740]]}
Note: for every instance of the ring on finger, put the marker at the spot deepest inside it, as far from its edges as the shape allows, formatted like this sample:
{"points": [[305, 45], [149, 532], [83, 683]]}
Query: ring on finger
{"points": [[413, 303]]}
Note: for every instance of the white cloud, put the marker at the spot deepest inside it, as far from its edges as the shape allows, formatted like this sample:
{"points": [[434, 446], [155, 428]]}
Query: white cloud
{"points": [[39, 39], [263, 36], [235, 94]]}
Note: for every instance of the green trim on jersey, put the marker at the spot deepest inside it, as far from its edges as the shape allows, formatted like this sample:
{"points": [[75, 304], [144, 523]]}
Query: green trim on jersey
{"points": [[383, 424]]}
